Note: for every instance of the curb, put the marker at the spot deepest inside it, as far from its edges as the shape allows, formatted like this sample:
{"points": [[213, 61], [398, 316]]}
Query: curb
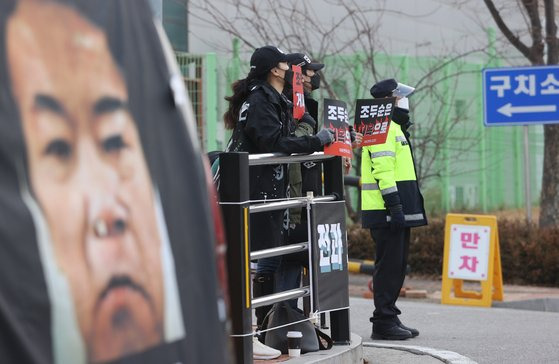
{"points": [[345, 354], [446, 356], [365, 266], [361, 266]]}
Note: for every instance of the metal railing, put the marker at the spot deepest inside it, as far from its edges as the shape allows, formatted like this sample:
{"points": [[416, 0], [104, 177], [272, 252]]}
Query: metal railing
{"points": [[237, 208]]}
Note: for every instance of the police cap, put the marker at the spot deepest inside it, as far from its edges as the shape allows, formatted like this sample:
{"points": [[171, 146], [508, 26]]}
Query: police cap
{"points": [[384, 88], [390, 87]]}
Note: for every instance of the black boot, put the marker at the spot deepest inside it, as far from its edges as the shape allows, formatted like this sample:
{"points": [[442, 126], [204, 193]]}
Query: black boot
{"points": [[390, 333], [262, 285]]}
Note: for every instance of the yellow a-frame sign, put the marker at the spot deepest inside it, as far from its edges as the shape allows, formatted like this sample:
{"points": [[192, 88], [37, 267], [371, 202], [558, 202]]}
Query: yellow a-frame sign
{"points": [[471, 253]]}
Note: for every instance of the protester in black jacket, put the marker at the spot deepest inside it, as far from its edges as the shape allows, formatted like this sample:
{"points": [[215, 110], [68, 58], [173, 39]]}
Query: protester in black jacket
{"points": [[260, 116], [303, 177]]}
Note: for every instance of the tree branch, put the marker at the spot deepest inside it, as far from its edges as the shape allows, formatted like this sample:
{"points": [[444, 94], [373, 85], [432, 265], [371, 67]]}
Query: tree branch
{"points": [[513, 39], [551, 33], [536, 50]]}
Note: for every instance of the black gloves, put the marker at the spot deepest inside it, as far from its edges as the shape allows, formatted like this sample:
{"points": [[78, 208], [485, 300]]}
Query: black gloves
{"points": [[326, 136], [308, 119], [352, 133], [394, 206], [397, 218]]}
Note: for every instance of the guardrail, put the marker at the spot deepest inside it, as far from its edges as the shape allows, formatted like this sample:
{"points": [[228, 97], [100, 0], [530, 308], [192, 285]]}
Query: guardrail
{"points": [[236, 208]]}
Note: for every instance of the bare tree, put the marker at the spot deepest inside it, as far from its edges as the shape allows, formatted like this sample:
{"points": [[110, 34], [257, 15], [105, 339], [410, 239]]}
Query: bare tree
{"points": [[544, 49], [352, 38]]}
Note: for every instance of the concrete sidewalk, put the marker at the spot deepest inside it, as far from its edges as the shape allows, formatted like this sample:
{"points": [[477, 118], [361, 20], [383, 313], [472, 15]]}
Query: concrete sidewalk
{"points": [[515, 296]]}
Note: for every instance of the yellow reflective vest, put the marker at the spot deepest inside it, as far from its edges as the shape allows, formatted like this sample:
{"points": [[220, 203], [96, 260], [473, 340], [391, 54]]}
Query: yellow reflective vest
{"points": [[388, 177]]}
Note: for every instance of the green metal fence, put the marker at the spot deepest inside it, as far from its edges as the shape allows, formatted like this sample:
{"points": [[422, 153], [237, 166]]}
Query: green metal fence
{"points": [[200, 75], [463, 164]]}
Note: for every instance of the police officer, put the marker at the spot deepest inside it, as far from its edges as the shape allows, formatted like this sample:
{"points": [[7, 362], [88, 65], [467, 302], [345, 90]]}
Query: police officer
{"points": [[391, 204]]}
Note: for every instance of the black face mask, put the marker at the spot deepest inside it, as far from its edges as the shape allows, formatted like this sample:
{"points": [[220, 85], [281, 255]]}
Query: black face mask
{"points": [[402, 117], [315, 81]]}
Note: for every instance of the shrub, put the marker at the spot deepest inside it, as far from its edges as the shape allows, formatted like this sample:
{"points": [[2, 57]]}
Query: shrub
{"points": [[528, 255]]}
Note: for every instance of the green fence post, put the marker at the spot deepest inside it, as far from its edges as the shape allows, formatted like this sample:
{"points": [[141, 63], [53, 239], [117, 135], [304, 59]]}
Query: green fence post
{"points": [[234, 67], [445, 114], [495, 153], [357, 75], [232, 74], [404, 74], [210, 100]]}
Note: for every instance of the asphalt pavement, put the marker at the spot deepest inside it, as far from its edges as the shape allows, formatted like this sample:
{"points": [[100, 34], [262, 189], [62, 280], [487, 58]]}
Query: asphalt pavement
{"points": [[462, 334]]}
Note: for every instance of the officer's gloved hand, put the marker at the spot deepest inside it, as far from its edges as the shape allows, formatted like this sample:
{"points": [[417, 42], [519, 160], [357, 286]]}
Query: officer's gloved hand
{"points": [[397, 218], [326, 136], [308, 119]]}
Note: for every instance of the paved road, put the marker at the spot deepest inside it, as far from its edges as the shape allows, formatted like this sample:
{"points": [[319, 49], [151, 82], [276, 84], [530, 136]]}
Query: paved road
{"points": [[485, 335]]}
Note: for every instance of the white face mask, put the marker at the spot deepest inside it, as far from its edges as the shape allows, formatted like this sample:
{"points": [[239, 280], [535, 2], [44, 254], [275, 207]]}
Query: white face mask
{"points": [[404, 103]]}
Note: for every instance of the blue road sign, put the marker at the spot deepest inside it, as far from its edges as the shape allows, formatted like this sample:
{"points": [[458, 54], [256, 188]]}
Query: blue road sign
{"points": [[521, 95]]}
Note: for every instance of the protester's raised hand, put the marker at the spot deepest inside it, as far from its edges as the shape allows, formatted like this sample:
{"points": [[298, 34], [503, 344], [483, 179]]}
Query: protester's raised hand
{"points": [[356, 138], [356, 143], [326, 136]]}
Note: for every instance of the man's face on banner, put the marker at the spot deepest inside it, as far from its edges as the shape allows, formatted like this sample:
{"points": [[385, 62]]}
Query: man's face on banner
{"points": [[87, 171]]}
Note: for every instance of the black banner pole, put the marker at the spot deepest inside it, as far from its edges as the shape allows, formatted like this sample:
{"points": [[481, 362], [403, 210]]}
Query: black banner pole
{"points": [[234, 196], [334, 184]]}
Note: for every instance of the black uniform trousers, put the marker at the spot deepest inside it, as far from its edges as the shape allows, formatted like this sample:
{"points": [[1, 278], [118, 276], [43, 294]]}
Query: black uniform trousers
{"points": [[392, 247]]}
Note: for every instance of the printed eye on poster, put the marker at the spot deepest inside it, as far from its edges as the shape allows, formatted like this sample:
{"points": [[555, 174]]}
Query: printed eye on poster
{"points": [[95, 266], [336, 118], [372, 119], [330, 274]]}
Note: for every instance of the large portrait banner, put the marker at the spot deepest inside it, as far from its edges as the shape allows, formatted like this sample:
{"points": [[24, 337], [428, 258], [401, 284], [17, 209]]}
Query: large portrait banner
{"points": [[101, 218]]}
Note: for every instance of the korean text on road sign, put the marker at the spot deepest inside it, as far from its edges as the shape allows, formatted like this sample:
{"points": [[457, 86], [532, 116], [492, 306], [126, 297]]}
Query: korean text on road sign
{"points": [[525, 95]]}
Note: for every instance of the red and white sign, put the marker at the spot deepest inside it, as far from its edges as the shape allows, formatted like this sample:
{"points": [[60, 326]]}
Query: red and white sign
{"points": [[372, 119], [469, 252], [336, 118], [298, 94]]}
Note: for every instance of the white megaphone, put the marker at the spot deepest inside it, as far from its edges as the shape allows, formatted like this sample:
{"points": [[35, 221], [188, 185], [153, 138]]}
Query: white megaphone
{"points": [[403, 90], [403, 103]]}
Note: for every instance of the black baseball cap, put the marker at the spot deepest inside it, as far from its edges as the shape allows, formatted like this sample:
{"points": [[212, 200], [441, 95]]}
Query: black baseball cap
{"points": [[265, 58], [301, 59]]}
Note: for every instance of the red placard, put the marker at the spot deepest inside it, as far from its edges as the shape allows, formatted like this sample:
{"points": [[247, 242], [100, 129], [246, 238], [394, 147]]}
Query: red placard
{"points": [[298, 95], [372, 119], [335, 118]]}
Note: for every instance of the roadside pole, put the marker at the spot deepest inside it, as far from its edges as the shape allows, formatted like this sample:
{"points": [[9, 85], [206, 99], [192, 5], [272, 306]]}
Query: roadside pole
{"points": [[527, 186]]}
